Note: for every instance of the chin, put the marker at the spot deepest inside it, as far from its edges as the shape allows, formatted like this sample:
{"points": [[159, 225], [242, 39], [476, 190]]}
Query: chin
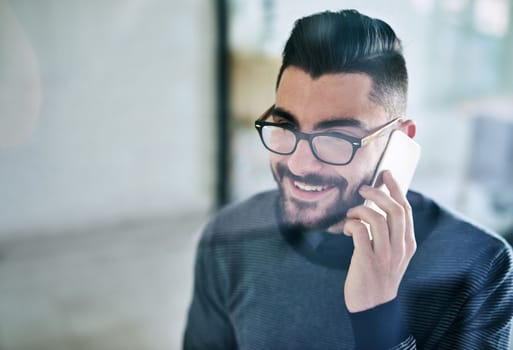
{"points": [[312, 216], [314, 201]]}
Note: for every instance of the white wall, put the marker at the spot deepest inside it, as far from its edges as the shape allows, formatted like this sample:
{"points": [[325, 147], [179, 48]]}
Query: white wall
{"points": [[122, 103]]}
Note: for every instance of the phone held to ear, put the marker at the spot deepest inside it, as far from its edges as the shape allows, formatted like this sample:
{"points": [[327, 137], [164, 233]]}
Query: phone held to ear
{"points": [[400, 157]]}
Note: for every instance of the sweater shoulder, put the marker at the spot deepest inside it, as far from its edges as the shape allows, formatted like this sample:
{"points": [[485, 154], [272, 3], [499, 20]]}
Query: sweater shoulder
{"points": [[439, 226]]}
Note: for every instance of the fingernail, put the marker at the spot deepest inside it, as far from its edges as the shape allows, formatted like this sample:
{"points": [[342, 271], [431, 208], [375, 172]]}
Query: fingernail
{"points": [[364, 188]]}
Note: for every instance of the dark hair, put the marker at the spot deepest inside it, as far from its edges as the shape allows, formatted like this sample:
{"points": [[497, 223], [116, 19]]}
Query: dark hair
{"points": [[350, 42]]}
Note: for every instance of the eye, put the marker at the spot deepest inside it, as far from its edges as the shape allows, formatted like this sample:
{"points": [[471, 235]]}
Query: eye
{"points": [[282, 121], [279, 120]]}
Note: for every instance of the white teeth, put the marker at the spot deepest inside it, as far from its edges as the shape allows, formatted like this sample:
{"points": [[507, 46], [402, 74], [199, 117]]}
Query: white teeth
{"points": [[309, 188]]}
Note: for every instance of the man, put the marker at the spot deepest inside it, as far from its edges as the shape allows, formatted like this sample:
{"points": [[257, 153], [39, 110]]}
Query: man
{"points": [[276, 272]]}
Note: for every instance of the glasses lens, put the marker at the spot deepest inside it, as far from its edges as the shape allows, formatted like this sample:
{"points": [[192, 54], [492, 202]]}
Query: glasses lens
{"points": [[278, 139], [332, 149]]}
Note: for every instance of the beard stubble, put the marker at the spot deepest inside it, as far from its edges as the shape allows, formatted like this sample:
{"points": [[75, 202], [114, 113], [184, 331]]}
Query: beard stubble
{"points": [[311, 215]]}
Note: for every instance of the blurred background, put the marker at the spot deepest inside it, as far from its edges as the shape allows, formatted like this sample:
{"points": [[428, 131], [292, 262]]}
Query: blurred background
{"points": [[125, 124]]}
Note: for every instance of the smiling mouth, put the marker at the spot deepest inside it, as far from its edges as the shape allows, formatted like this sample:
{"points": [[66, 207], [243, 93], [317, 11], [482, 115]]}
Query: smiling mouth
{"points": [[309, 188], [304, 191]]}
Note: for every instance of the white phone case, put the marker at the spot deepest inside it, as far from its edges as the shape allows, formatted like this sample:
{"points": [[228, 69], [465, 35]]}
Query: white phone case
{"points": [[400, 157]]}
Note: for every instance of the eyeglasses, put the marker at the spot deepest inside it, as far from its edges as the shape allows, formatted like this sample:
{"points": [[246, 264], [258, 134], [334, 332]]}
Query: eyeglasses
{"points": [[333, 148]]}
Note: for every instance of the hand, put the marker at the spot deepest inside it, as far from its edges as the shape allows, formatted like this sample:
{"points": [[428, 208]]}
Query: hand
{"points": [[378, 265]]}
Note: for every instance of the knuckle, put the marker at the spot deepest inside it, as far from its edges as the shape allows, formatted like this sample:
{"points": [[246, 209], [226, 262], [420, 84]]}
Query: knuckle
{"points": [[381, 223], [354, 227], [361, 229], [411, 246], [397, 209], [350, 224], [351, 212], [407, 210]]}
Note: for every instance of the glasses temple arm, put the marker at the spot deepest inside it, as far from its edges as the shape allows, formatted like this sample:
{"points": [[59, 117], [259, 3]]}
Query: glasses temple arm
{"points": [[378, 132]]}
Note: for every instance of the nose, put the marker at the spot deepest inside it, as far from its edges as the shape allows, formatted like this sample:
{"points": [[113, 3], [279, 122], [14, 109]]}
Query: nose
{"points": [[303, 161]]}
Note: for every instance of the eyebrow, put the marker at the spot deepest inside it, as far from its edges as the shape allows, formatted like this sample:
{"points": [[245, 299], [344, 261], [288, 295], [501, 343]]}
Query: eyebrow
{"points": [[325, 124], [280, 112]]}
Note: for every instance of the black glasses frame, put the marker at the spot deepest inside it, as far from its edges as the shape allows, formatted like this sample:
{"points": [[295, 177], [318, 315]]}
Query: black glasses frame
{"points": [[356, 142]]}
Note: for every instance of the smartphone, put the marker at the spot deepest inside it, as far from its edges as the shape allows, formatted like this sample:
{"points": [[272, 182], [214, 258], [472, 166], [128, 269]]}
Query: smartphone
{"points": [[400, 157]]}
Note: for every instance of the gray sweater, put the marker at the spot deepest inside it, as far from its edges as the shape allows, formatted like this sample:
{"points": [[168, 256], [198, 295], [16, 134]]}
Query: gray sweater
{"points": [[259, 285]]}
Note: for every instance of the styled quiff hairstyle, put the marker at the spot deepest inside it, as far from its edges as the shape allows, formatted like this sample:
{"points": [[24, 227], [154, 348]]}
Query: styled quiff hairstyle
{"points": [[350, 42]]}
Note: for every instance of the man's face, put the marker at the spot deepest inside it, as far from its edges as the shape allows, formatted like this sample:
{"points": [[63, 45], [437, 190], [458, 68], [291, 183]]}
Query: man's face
{"points": [[315, 194]]}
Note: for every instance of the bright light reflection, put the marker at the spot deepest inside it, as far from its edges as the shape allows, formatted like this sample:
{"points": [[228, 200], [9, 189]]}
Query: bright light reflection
{"points": [[423, 6], [491, 16], [455, 6]]}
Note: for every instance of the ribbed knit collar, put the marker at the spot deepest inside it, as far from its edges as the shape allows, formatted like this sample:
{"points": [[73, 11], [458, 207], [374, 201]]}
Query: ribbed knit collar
{"points": [[335, 250], [319, 247]]}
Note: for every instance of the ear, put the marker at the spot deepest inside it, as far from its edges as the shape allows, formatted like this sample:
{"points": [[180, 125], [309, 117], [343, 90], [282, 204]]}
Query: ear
{"points": [[408, 127]]}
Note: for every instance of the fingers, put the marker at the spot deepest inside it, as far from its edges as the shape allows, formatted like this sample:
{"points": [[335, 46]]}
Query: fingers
{"points": [[377, 224], [395, 223], [394, 229], [358, 231], [378, 265], [400, 198], [393, 187]]}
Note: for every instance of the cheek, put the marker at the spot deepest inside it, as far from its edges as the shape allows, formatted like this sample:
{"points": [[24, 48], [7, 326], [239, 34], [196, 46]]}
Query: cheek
{"points": [[361, 169], [275, 159], [353, 176]]}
